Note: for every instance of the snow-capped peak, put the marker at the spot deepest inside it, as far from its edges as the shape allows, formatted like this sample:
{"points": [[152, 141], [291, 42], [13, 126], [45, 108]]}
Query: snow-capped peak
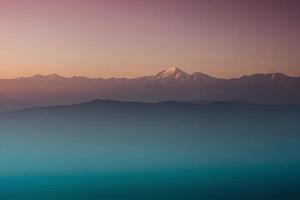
{"points": [[172, 73]]}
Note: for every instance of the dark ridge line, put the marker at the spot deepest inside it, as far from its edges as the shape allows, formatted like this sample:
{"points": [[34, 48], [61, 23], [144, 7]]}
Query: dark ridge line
{"points": [[166, 102]]}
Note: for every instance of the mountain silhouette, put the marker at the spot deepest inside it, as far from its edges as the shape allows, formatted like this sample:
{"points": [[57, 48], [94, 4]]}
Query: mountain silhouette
{"points": [[169, 84]]}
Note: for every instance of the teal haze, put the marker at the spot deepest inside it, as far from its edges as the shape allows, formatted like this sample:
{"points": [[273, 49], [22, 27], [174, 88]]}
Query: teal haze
{"points": [[117, 150]]}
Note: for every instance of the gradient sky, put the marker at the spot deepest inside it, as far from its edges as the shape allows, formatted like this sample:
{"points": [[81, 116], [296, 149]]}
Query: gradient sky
{"points": [[104, 38]]}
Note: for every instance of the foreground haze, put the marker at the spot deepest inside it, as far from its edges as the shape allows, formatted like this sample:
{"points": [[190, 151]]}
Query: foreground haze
{"points": [[169, 84], [167, 150]]}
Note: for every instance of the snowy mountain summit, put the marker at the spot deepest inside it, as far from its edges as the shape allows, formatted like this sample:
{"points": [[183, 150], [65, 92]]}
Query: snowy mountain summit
{"points": [[177, 74], [172, 73]]}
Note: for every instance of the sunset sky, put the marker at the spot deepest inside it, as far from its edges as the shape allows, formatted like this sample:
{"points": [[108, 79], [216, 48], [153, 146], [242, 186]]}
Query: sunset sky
{"points": [[129, 38]]}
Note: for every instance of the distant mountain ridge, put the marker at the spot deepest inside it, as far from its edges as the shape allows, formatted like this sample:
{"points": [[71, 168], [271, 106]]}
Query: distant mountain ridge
{"points": [[169, 84], [169, 73]]}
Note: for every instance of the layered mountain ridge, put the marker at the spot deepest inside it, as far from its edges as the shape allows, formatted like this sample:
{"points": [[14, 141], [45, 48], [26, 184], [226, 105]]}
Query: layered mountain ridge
{"points": [[169, 84]]}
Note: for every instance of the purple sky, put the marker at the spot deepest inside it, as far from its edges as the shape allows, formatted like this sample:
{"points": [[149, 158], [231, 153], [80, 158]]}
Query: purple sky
{"points": [[225, 38]]}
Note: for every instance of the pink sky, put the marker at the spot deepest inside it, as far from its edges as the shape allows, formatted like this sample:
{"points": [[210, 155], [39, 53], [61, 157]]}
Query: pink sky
{"points": [[129, 38]]}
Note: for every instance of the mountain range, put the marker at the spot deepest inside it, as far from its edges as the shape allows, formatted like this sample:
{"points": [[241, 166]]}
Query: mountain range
{"points": [[169, 84]]}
